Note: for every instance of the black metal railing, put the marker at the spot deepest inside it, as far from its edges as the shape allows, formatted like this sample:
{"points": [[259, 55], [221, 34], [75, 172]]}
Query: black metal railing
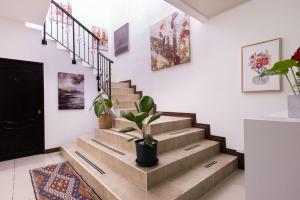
{"points": [[82, 43]]}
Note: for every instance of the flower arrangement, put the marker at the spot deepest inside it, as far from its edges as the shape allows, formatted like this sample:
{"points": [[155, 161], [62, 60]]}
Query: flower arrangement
{"points": [[283, 67], [260, 62]]}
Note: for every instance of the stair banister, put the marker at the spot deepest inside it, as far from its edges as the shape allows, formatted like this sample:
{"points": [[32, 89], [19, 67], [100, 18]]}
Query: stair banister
{"points": [[100, 63]]}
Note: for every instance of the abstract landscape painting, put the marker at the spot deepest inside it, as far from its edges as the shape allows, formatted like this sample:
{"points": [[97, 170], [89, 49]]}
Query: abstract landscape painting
{"points": [[170, 41], [70, 91], [256, 58], [121, 37]]}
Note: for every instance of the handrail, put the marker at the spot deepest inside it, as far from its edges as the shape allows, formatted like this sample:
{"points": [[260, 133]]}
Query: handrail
{"points": [[81, 42], [74, 19], [105, 57]]}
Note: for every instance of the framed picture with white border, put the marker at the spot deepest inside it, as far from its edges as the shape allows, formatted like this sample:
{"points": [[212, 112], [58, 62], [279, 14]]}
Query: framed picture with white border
{"points": [[255, 59]]}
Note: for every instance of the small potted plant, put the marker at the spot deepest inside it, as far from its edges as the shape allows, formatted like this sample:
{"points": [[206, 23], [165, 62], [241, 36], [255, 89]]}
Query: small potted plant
{"points": [[146, 145], [283, 67], [102, 108]]}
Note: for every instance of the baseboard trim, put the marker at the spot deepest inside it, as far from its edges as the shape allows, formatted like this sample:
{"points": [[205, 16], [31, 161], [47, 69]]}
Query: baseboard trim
{"points": [[206, 127], [52, 150]]}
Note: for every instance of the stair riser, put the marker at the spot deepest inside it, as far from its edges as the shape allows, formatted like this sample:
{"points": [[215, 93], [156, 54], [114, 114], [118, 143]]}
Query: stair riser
{"points": [[203, 187], [116, 140], [122, 91], [123, 105], [135, 176], [157, 128], [88, 177], [180, 166], [125, 85], [120, 141], [139, 178], [126, 97]]}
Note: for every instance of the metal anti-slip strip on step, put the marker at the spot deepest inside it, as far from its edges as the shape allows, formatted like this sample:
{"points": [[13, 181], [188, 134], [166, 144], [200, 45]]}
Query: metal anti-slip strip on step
{"points": [[90, 163], [211, 164], [108, 147], [177, 132], [192, 147]]}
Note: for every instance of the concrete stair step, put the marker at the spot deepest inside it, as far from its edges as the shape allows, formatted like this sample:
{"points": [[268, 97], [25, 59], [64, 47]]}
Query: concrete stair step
{"points": [[167, 141], [170, 163], [121, 91], [163, 124], [119, 85], [189, 185], [126, 97]]}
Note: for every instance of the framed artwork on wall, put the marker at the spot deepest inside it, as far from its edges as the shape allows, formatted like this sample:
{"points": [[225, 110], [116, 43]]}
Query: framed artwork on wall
{"points": [[170, 41], [255, 59], [121, 39], [70, 91], [56, 15], [102, 34]]}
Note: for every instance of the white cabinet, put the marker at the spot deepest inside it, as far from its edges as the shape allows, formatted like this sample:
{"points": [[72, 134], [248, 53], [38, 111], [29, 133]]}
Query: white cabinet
{"points": [[272, 158]]}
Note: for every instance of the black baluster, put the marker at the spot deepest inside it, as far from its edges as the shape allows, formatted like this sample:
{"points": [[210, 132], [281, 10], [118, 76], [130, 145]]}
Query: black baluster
{"points": [[74, 58], [89, 48], [57, 24], [79, 40], [44, 41], [109, 71], [51, 19], [68, 32], [83, 44], [62, 26], [98, 68]]}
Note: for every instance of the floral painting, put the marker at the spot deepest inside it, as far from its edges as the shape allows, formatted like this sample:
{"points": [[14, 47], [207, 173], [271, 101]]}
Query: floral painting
{"points": [[256, 58], [56, 14], [170, 41], [70, 91], [102, 34]]}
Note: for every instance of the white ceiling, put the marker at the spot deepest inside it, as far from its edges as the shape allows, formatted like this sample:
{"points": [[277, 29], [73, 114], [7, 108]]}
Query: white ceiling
{"points": [[205, 9], [33, 11]]}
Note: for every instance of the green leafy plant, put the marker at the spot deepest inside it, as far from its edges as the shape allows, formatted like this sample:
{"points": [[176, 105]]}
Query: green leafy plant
{"points": [[101, 105], [283, 67], [144, 106]]}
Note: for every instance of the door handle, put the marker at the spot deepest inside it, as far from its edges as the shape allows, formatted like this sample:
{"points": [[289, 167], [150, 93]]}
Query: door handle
{"points": [[39, 112]]}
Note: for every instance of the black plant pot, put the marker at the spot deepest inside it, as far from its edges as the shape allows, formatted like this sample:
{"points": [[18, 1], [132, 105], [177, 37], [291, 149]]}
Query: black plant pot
{"points": [[146, 155]]}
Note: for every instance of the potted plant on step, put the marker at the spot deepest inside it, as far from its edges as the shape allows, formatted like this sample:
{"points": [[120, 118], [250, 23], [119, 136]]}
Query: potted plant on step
{"points": [[102, 108], [283, 68], [146, 145]]}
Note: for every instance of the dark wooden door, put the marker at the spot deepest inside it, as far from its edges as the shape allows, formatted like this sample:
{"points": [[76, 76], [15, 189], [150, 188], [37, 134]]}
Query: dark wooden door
{"points": [[21, 109]]}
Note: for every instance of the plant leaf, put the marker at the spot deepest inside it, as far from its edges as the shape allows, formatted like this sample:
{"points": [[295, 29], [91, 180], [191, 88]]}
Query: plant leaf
{"points": [[99, 109], [128, 129], [146, 104], [140, 117], [148, 139], [128, 115], [108, 103], [280, 68], [135, 138], [137, 107], [154, 117]]}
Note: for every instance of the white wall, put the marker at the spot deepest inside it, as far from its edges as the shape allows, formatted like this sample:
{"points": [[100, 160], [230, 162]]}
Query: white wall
{"points": [[211, 84], [61, 127]]}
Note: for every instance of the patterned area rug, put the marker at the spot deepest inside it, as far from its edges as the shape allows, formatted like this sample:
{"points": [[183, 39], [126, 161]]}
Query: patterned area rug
{"points": [[60, 182]]}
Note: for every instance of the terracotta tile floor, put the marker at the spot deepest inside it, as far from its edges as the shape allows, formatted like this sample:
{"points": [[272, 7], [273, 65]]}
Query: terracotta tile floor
{"points": [[15, 183]]}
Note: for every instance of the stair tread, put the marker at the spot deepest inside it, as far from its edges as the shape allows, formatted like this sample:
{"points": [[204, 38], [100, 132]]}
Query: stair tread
{"points": [[161, 120], [159, 137], [170, 189], [165, 159]]}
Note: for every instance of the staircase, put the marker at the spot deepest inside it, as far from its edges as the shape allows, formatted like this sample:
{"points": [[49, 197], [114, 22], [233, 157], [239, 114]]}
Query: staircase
{"points": [[189, 165], [82, 44]]}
